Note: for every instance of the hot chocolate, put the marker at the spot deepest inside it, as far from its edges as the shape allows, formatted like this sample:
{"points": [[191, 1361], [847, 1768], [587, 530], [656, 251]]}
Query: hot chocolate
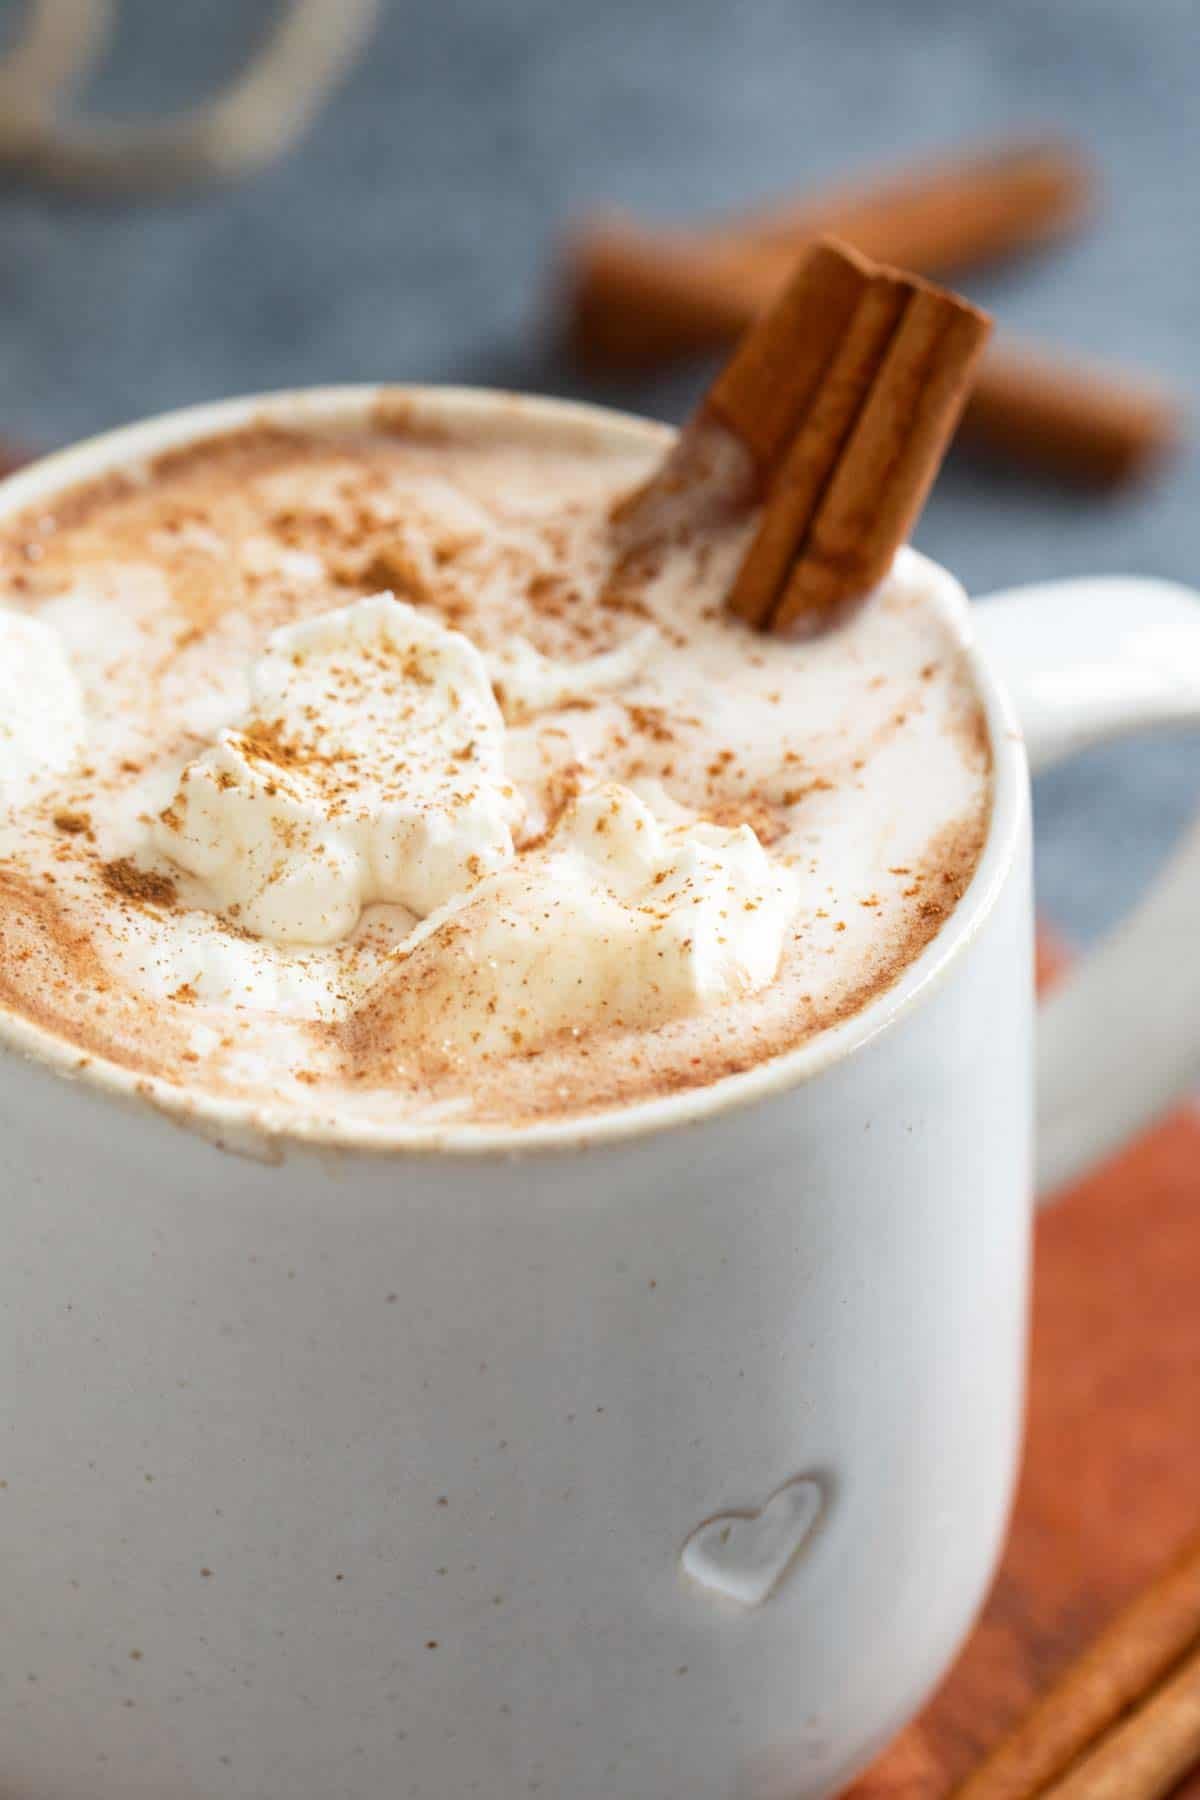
{"points": [[362, 773]]}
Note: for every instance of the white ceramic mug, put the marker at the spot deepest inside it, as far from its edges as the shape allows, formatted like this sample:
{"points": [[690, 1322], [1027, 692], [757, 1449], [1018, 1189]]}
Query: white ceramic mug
{"points": [[429, 1467]]}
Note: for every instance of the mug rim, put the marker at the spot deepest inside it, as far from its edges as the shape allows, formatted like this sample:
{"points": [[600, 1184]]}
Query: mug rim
{"points": [[258, 1129]]}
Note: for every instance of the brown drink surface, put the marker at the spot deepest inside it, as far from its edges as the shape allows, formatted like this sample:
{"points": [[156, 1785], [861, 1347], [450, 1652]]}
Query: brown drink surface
{"points": [[859, 762]]}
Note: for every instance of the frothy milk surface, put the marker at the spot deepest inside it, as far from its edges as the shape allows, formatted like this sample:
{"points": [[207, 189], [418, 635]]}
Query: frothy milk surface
{"points": [[369, 775]]}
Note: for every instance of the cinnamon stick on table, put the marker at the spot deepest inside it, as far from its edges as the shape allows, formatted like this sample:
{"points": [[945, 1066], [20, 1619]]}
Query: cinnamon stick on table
{"points": [[641, 297], [1156, 1640], [834, 414], [1146, 1757], [1090, 424]]}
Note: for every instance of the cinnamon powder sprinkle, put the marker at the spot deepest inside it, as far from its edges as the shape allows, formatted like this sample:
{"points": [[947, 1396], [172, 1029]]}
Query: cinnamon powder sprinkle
{"points": [[143, 887]]}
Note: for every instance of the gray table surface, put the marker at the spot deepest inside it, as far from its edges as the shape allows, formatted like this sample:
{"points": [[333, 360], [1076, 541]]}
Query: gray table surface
{"points": [[411, 235]]}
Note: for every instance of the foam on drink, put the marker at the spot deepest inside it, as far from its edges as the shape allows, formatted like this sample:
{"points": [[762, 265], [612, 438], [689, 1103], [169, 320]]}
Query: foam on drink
{"points": [[370, 780]]}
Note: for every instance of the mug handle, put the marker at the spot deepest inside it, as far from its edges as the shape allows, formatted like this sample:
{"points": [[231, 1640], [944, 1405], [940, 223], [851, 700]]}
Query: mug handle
{"points": [[1119, 1038]]}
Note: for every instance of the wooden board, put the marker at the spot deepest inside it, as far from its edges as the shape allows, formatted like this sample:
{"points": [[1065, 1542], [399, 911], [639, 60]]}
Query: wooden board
{"points": [[1111, 1480]]}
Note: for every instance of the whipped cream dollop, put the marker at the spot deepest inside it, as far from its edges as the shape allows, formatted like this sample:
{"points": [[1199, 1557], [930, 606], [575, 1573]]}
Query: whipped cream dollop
{"points": [[41, 707], [620, 919], [371, 767]]}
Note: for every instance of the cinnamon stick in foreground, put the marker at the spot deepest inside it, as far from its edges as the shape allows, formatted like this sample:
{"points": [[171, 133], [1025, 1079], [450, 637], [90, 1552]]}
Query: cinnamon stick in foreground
{"points": [[640, 296], [1146, 1757], [1128, 1661]]}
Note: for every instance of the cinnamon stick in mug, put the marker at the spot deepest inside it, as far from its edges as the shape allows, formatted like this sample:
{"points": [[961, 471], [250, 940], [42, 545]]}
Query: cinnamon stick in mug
{"points": [[834, 413]]}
